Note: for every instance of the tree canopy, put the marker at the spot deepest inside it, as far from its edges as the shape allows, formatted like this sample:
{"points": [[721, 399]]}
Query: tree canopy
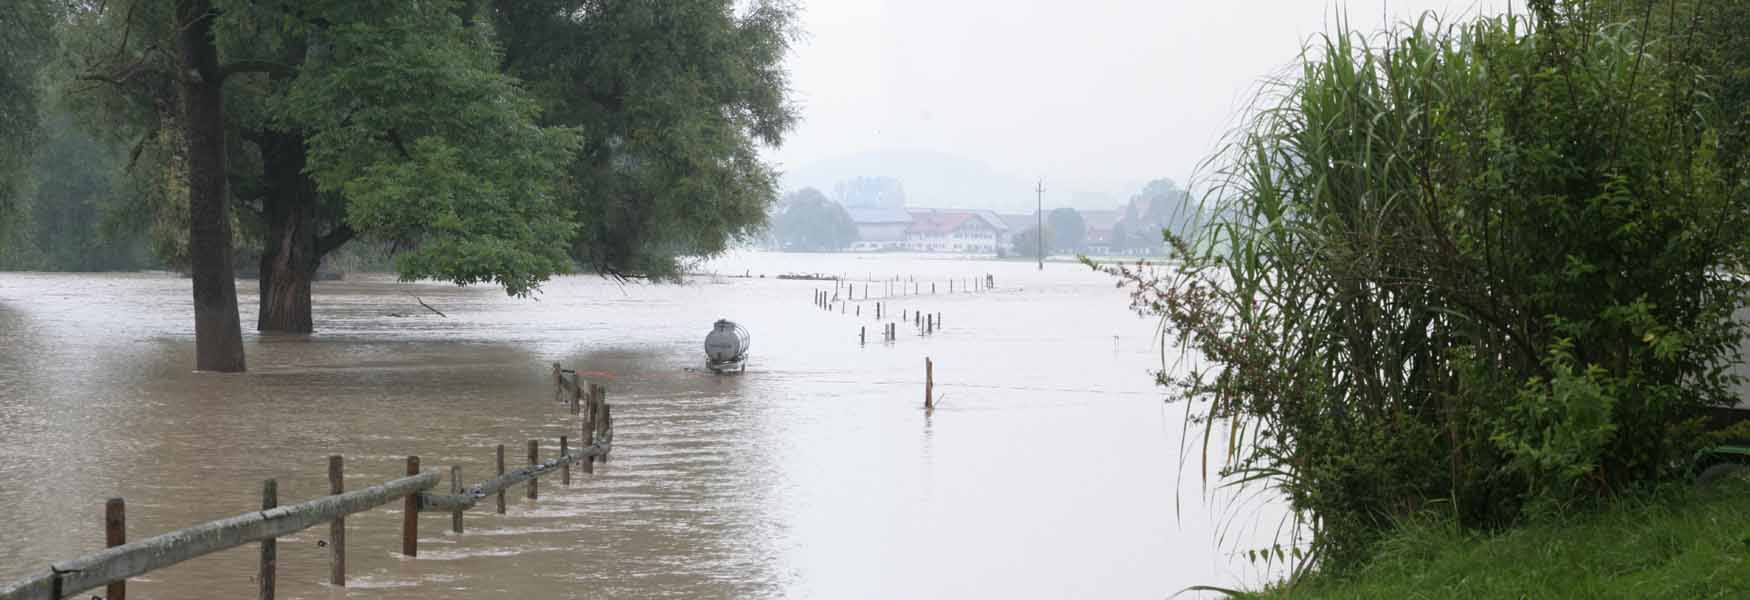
{"points": [[408, 118], [27, 40], [1160, 205], [812, 222], [67, 222], [500, 142], [1068, 230], [1027, 241], [674, 98]]}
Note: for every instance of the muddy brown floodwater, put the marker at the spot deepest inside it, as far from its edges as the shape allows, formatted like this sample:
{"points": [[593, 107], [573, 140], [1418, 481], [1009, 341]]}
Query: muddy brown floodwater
{"points": [[1051, 468]]}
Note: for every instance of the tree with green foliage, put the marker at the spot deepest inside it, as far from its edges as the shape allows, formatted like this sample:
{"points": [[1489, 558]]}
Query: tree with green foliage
{"points": [[27, 38], [812, 222], [1069, 231], [674, 96], [1160, 205], [1027, 242], [1487, 269], [68, 224], [391, 121], [675, 99]]}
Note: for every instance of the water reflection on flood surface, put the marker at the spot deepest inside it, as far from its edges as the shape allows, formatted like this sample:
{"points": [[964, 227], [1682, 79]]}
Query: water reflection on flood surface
{"points": [[1049, 470]]}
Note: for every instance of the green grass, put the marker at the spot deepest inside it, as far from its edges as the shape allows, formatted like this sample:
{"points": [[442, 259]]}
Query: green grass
{"points": [[1675, 544]]}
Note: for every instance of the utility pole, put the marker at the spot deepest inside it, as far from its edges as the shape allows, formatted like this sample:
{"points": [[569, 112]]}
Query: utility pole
{"points": [[1039, 230]]}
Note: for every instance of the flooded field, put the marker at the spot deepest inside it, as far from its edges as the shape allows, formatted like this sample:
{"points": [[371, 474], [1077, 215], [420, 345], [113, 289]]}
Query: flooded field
{"points": [[1051, 468]]}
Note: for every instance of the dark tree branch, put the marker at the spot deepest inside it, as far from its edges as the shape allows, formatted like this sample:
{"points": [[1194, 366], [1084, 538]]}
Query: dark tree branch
{"points": [[254, 66], [395, 138], [428, 307], [140, 147], [124, 75], [328, 243], [127, 30], [254, 136]]}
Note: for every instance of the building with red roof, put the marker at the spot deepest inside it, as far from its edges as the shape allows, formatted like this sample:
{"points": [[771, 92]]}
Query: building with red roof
{"points": [[954, 231]]}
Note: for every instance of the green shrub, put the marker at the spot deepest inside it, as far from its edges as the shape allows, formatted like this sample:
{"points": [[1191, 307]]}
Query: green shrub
{"points": [[1480, 269]]}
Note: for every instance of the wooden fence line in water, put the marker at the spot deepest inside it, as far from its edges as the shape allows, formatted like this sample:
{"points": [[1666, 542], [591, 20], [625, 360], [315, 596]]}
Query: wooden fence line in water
{"points": [[113, 566]]}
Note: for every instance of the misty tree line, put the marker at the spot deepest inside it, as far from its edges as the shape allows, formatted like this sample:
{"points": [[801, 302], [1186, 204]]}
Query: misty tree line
{"points": [[67, 216], [807, 219]]}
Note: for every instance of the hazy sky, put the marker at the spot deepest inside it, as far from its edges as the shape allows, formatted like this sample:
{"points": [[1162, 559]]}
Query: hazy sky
{"points": [[1096, 93]]}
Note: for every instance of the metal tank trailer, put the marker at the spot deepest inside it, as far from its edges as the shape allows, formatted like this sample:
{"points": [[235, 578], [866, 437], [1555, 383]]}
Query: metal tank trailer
{"points": [[726, 347]]}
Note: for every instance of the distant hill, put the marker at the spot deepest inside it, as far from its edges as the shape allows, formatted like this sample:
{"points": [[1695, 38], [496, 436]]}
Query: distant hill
{"points": [[937, 179]]}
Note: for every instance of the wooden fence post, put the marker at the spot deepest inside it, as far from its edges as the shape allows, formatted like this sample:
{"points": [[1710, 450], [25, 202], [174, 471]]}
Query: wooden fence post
{"points": [[115, 533], [270, 497], [929, 384], [607, 426], [410, 515], [938, 320], [501, 472], [456, 489], [588, 430], [558, 384], [534, 459], [604, 423], [862, 335], [576, 393], [337, 527], [565, 471]]}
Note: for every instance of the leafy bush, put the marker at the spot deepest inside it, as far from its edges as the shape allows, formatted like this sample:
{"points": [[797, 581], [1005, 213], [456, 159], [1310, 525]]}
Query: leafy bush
{"points": [[1481, 268]]}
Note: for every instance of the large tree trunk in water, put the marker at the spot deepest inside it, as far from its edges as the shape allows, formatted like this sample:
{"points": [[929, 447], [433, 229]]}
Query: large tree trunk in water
{"points": [[289, 253], [218, 337]]}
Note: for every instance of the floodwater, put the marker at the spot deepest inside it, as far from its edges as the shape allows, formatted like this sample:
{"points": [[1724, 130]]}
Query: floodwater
{"points": [[1051, 468]]}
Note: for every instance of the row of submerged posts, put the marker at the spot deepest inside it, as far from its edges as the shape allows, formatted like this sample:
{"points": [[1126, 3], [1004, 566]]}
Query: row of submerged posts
{"points": [[897, 287], [112, 567], [844, 294], [926, 324]]}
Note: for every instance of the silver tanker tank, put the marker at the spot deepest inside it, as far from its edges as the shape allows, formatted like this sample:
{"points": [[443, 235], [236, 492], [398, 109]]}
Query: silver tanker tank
{"points": [[726, 347]]}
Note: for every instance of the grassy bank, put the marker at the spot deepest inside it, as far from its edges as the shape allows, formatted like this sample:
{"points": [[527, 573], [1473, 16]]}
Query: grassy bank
{"points": [[1677, 544]]}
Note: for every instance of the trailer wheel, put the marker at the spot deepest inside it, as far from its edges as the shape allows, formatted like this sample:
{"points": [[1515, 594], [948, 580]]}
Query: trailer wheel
{"points": [[1726, 471]]}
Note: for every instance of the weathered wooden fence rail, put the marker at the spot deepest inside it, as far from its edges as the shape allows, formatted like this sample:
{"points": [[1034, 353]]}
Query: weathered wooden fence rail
{"points": [[113, 566]]}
